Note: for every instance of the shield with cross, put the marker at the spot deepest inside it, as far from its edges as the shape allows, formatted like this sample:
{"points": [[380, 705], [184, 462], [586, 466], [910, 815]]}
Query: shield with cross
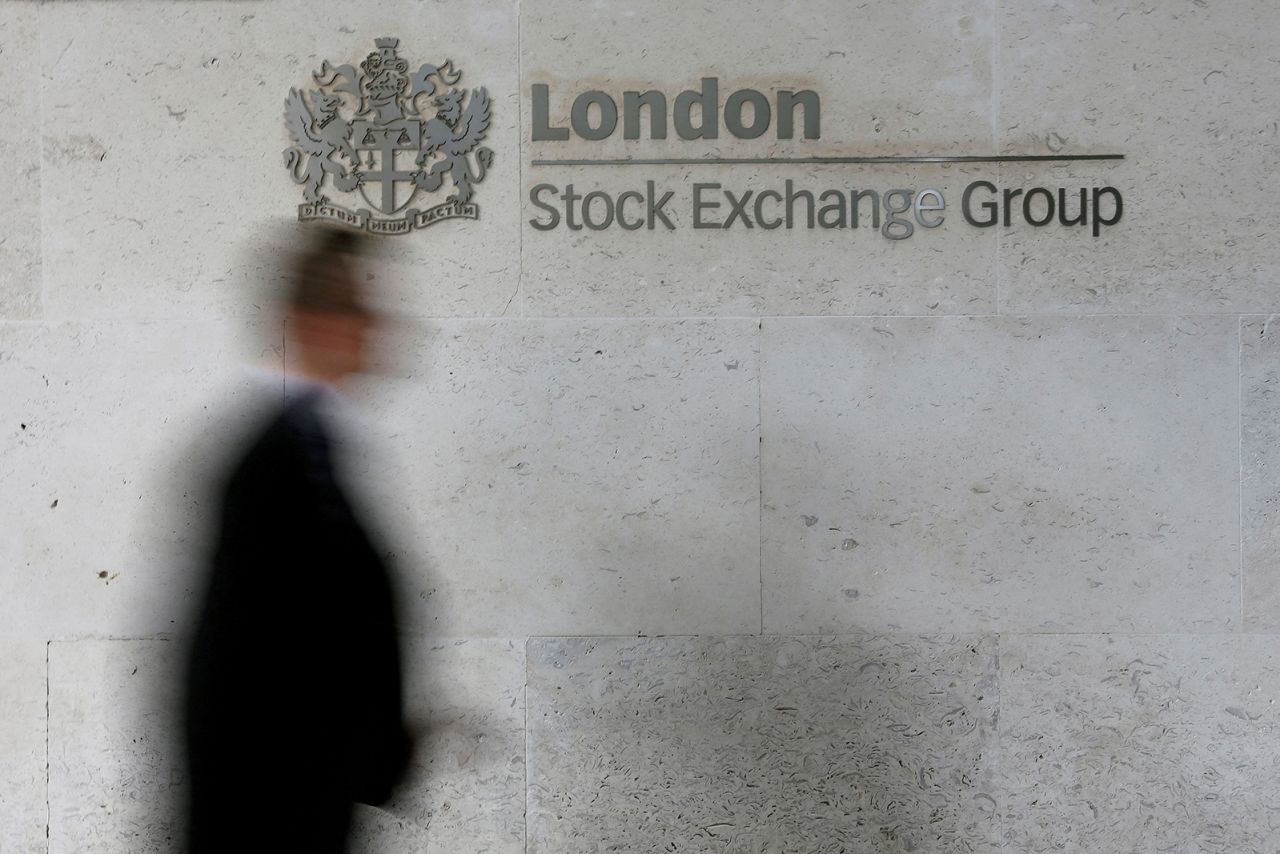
{"points": [[389, 149]]}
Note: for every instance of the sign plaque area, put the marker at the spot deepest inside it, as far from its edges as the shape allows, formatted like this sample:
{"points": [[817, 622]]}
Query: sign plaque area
{"points": [[896, 213], [386, 151]]}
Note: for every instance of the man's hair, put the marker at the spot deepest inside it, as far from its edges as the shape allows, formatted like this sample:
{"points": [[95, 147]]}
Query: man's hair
{"points": [[322, 275]]}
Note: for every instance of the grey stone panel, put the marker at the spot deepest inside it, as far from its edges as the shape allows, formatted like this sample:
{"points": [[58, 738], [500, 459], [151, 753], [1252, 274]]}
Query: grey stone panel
{"points": [[112, 435], [23, 746], [116, 782], [595, 477], [761, 744], [20, 263], [1260, 472], [1139, 743], [1188, 93], [979, 474]]}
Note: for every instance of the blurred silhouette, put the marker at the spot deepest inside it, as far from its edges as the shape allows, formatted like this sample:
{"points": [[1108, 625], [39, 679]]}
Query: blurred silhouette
{"points": [[293, 702]]}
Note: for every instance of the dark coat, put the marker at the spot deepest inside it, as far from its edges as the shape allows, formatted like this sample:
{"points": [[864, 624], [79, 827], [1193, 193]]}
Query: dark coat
{"points": [[293, 703]]}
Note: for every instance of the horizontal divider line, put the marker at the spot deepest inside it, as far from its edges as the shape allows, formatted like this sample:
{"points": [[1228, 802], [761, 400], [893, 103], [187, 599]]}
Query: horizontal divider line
{"points": [[837, 161]]}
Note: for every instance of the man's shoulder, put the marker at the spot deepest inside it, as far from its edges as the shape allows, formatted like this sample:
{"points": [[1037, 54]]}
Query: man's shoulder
{"points": [[279, 409], [279, 435]]}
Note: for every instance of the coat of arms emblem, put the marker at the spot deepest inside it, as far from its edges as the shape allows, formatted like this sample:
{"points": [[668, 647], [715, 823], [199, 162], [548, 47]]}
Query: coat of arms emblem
{"points": [[389, 151]]}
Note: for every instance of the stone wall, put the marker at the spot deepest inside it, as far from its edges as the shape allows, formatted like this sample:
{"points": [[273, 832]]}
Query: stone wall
{"points": [[732, 540]]}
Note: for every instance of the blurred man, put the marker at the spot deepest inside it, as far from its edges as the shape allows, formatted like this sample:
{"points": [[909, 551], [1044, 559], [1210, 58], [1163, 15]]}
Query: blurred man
{"points": [[293, 705]]}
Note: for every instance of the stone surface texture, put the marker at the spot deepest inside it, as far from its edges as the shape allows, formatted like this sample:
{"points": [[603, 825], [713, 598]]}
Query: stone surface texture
{"points": [[579, 477], [1006, 474], [1152, 743], [23, 744], [738, 539], [111, 431], [1260, 469], [21, 284], [115, 778], [762, 744], [1185, 91]]}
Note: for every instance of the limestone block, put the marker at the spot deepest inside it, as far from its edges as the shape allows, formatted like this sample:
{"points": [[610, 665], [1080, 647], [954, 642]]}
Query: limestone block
{"points": [[762, 744], [112, 436], [553, 475], [20, 286], [165, 183], [1123, 743], [115, 771], [1074, 474], [23, 734], [905, 107], [1260, 472], [1188, 95], [465, 791]]}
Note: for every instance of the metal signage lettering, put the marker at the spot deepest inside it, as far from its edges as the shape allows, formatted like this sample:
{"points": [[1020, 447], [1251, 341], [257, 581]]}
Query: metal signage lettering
{"points": [[897, 213], [711, 205], [706, 98], [387, 151]]}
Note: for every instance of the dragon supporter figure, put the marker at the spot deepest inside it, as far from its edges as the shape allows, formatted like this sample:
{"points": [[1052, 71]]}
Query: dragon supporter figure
{"points": [[453, 138], [318, 136]]}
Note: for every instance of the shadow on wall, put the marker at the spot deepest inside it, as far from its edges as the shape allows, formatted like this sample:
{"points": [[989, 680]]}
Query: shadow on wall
{"points": [[762, 744], [589, 477]]}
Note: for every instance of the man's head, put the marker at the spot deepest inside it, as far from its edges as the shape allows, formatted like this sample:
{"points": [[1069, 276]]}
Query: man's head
{"points": [[325, 307]]}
